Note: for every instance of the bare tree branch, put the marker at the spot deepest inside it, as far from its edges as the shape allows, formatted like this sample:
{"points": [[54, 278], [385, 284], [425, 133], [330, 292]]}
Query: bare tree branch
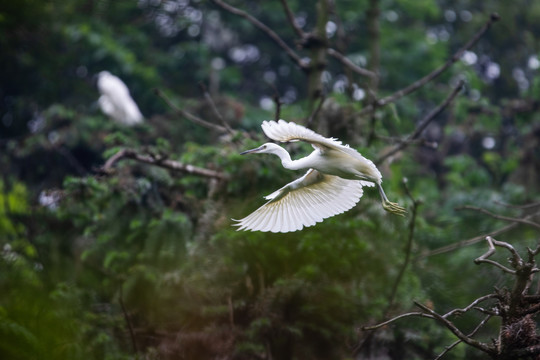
{"points": [[487, 311], [316, 110], [470, 241], [387, 322], [421, 82], [290, 16], [277, 100], [522, 207], [465, 338], [215, 110], [531, 310], [423, 124], [496, 264], [273, 35], [197, 120], [408, 246], [162, 162], [500, 217], [470, 306], [349, 64], [417, 142], [391, 298], [471, 334], [533, 253], [484, 258]]}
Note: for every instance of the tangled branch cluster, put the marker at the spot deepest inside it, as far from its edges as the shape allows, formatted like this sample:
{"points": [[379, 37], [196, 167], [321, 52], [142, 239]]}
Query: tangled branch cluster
{"points": [[515, 307]]}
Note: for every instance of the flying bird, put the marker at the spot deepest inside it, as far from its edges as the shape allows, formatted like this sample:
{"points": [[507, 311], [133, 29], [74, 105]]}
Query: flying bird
{"points": [[115, 100], [332, 185]]}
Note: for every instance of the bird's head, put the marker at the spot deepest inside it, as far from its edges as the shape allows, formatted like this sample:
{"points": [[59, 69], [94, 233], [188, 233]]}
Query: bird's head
{"points": [[268, 148]]}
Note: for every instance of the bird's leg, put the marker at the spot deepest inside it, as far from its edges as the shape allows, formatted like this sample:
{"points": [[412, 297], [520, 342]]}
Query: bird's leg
{"points": [[389, 206]]}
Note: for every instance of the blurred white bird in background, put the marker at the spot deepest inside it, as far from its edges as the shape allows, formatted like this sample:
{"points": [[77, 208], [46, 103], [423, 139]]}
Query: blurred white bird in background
{"points": [[332, 185], [115, 100]]}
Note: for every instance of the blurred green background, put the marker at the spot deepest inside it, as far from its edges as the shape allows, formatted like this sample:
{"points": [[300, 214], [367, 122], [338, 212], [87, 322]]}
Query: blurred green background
{"points": [[143, 263]]}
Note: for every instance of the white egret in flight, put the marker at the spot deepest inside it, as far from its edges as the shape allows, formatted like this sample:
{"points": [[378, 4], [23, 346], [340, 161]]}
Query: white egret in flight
{"points": [[332, 185], [115, 100]]}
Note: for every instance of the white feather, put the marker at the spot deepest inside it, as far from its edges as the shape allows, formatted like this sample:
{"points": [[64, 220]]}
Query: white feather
{"points": [[115, 100], [333, 184]]}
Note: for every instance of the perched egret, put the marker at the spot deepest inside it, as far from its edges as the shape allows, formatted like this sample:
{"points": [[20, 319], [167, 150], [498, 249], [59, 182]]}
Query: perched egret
{"points": [[115, 100], [332, 185]]}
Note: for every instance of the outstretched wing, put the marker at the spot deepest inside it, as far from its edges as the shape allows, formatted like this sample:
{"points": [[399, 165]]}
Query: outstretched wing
{"points": [[304, 202], [289, 131]]}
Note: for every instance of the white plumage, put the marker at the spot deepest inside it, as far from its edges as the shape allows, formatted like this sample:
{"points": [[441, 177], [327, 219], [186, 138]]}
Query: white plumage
{"points": [[115, 100], [332, 185]]}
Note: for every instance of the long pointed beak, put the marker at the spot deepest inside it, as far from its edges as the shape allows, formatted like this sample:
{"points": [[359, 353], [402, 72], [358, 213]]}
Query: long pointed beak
{"points": [[250, 151]]}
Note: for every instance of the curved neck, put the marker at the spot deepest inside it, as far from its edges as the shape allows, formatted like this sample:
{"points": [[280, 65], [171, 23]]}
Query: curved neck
{"points": [[286, 160]]}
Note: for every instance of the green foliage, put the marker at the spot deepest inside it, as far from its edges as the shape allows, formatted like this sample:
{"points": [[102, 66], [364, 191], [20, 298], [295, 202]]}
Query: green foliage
{"points": [[12, 202], [142, 262]]}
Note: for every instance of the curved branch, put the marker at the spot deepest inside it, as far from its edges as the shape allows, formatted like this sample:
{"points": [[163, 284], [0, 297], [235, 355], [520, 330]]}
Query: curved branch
{"points": [[197, 120], [435, 73], [162, 162], [292, 54], [423, 124], [468, 242], [471, 334], [290, 16], [348, 63], [465, 338], [496, 264], [215, 110], [408, 246], [470, 306], [500, 217], [387, 322]]}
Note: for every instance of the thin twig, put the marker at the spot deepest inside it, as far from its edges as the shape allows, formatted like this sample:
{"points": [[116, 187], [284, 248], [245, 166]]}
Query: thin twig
{"points": [[522, 207], [277, 100], [471, 334], [387, 322], [393, 293], [423, 124], [532, 253], [421, 82], [500, 217], [215, 110], [349, 64], [491, 251], [165, 163], [486, 311], [316, 111], [408, 247], [516, 257], [418, 142], [531, 310], [466, 339], [496, 264], [292, 21], [474, 240], [470, 306], [273, 35], [197, 120]]}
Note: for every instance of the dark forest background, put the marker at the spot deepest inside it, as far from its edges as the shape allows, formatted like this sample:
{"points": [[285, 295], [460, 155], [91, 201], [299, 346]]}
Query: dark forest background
{"points": [[130, 259]]}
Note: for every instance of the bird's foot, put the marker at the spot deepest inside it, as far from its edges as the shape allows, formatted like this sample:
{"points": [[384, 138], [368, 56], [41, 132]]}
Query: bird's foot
{"points": [[394, 208]]}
